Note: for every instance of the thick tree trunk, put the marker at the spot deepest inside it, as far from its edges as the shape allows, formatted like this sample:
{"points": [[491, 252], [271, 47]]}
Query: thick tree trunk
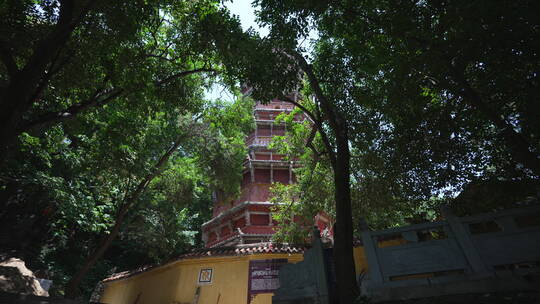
{"points": [[27, 83], [347, 287], [12, 104]]}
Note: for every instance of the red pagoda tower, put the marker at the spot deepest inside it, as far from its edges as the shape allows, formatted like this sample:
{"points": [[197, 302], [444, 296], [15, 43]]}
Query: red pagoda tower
{"points": [[248, 219]]}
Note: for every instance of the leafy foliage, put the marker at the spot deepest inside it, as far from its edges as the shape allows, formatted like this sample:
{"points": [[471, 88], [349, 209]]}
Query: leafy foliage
{"points": [[404, 76], [124, 83], [415, 101], [82, 178]]}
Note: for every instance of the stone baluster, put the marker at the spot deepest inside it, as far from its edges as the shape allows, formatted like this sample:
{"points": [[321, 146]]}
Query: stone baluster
{"points": [[370, 250], [464, 240]]}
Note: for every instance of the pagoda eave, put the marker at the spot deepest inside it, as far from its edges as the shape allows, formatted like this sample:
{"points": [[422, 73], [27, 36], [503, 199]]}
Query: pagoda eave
{"points": [[233, 210]]}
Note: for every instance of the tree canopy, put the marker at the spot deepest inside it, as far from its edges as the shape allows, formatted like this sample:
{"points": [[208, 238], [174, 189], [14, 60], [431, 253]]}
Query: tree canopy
{"points": [[438, 94], [411, 100], [107, 140]]}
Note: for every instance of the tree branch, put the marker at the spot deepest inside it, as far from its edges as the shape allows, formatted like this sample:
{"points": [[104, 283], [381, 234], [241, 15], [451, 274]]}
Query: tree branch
{"points": [[22, 87], [156, 170], [162, 57], [54, 68], [319, 125], [316, 121], [325, 104], [97, 100], [310, 145], [182, 74], [301, 107], [519, 147], [74, 282]]}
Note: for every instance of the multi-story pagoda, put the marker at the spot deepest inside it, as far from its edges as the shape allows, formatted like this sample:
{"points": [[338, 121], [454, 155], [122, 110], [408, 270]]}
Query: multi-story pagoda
{"points": [[247, 219]]}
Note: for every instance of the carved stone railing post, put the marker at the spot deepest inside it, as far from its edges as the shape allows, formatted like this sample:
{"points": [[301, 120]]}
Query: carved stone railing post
{"points": [[305, 281], [321, 274], [464, 240], [370, 250]]}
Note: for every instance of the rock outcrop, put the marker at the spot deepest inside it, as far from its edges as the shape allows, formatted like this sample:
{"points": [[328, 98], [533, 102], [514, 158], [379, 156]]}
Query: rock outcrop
{"points": [[16, 278]]}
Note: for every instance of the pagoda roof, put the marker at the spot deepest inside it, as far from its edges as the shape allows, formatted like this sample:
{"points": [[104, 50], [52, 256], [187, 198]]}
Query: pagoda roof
{"points": [[238, 250]]}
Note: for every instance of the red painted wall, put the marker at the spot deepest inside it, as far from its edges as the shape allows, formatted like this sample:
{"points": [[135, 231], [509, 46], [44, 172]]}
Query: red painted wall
{"points": [[278, 130], [263, 130], [259, 219], [259, 230], [262, 175], [281, 176], [240, 223], [277, 157], [225, 230], [261, 156], [256, 192]]}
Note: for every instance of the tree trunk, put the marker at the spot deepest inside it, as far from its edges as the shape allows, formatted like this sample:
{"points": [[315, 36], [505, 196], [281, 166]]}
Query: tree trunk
{"points": [[25, 84], [347, 287], [11, 115]]}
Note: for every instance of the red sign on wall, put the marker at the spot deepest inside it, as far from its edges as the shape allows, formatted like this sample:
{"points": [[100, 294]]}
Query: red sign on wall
{"points": [[263, 276]]}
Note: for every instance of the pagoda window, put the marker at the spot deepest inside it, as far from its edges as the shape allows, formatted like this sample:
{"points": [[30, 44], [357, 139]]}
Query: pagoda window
{"points": [[262, 175], [262, 156], [212, 237], [263, 131], [246, 178], [281, 176], [239, 223], [225, 230], [261, 115], [278, 131], [260, 219], [277, 157]]}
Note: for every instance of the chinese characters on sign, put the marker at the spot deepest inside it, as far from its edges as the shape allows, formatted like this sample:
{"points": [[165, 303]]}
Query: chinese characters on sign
{"points": [[205, 276], [263, 276]]}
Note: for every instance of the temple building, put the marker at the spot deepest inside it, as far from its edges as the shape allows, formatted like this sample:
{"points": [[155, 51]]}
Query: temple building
{"points": [[239, 263], [248, 219]]}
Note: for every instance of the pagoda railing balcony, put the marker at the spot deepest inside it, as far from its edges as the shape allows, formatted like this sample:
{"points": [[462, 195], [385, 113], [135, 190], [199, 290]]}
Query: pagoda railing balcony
{"points": [[268, 122], [268, 161], [261, 141], [275, 107]]}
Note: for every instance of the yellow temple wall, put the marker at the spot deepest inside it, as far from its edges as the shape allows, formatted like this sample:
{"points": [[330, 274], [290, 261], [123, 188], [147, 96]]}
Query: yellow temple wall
{"points": [[177, 282]]}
